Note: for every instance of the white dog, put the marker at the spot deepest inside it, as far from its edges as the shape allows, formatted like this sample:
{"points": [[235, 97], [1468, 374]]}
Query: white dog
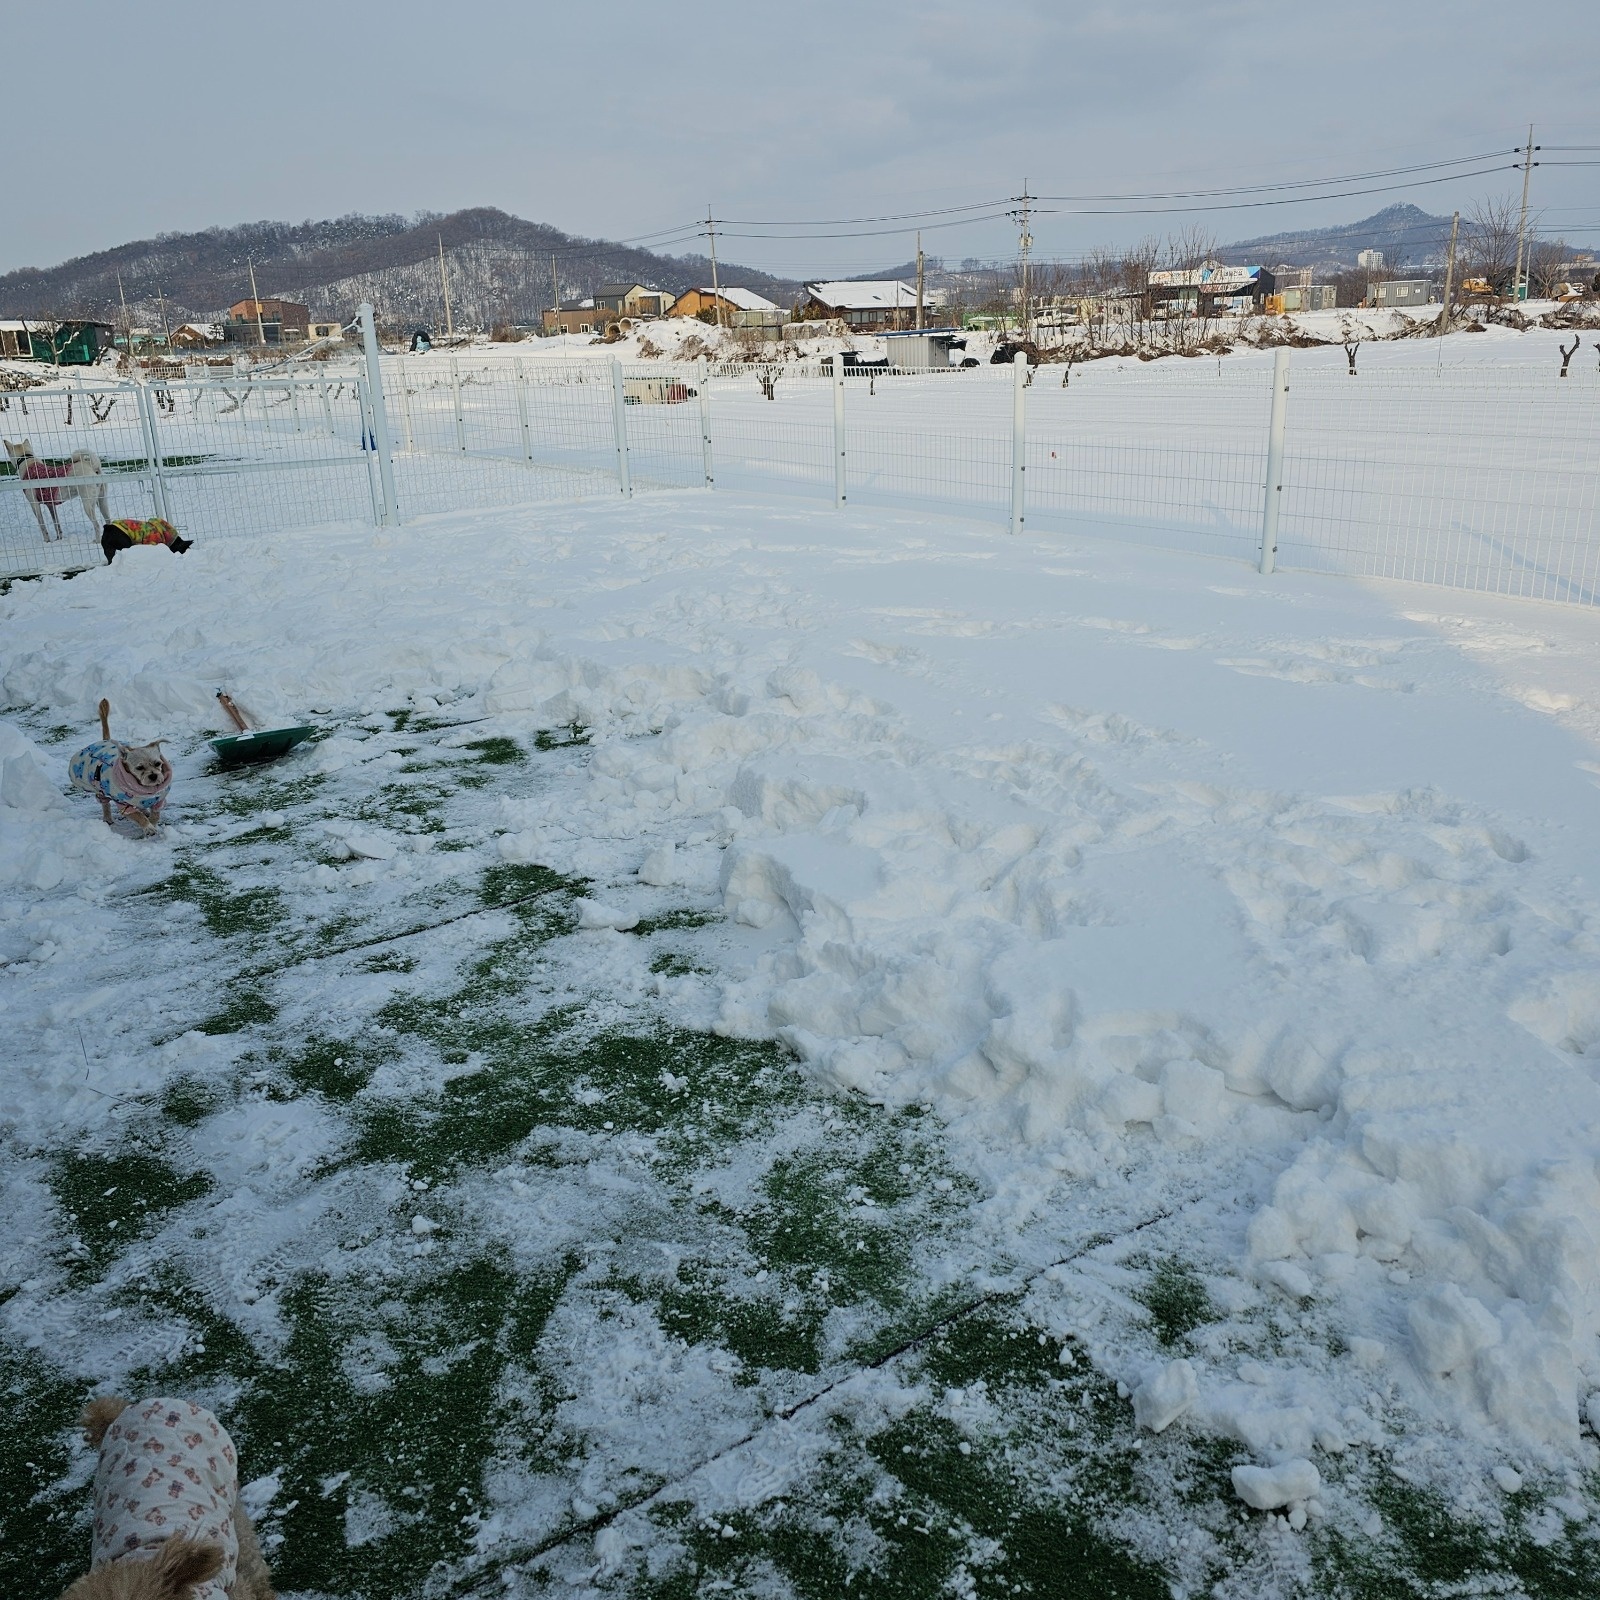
{"points": [[40, 484]]}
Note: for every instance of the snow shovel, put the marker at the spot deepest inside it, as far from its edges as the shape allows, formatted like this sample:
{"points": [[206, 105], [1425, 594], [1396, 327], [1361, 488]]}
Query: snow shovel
{"points": [[252, 745]]}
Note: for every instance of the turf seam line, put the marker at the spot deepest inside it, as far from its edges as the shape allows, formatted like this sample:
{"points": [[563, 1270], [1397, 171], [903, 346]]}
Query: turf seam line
{"points": [[794, 1408], [369, 944]]}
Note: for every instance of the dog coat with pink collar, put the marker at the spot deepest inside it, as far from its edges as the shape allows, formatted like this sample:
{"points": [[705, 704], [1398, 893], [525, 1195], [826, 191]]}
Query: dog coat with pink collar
{"points": [[98, 769], [166, 1467]]}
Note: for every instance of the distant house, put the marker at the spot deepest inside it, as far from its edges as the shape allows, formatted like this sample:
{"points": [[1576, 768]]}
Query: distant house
{"points": [[865, 307], [316, 329], [1208, 290], [741, 308], [631, 300], [274, 321], [576, 319], [16, 341], [196, 335]]}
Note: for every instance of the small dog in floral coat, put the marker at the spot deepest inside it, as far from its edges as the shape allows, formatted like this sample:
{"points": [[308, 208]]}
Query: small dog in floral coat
{"points": [[132, 778], [167, 1520]]}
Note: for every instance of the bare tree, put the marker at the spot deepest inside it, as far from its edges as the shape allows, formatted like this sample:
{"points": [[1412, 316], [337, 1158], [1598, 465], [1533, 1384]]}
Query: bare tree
{"points": [[1490, 236], [1545, 260]]}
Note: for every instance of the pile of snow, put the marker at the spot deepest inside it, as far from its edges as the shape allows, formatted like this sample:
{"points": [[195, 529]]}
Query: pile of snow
{"points": [[1123, 860]]}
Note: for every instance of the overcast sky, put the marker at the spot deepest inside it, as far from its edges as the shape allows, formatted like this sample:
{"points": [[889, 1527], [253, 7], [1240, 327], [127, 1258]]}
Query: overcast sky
{"points": [[625, 120]]}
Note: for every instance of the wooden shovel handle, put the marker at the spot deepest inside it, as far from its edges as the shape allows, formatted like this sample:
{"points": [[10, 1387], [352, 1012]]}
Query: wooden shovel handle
{"points": [[233, 711], [105, 721]]}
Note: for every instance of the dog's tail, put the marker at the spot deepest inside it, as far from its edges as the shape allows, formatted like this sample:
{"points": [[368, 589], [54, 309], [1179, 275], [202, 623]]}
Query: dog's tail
{"points": [[105, 720], [98, 1415]]}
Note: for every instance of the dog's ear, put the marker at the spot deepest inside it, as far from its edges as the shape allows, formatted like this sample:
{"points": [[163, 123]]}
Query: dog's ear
{"points": [[185, 1563], [98, 1415]]}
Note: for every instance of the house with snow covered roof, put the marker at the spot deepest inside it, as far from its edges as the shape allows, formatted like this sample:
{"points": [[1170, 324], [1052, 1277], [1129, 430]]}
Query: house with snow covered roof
{"points": [[631, 300], [740, 308], [867, 305], [16, 340]]}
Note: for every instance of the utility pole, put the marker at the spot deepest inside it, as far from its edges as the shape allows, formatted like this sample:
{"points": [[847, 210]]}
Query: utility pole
{"points": [[716, 289], [255, 300], [1024, 247], [166, 326], [919, 280], [555, 285], [1442, 327], [1517, 287], [444, 283], [127, 322]]}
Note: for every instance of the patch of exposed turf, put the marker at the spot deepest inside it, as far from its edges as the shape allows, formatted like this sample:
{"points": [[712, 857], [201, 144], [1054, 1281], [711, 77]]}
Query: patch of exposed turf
{"points": [[188, 1099], [574, 733], [671, 921], [385, 1413], [1177, 1300], [674, 965], [498, 752], [1428, 1550], [228, 910], [109, 1200], [913, 1511], [44, 1536], [706, 1306], [247, 1008], [337, 1069]]}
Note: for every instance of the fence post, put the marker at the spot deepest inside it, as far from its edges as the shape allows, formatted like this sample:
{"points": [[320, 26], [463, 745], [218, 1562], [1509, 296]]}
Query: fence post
{"points": [[838, 432], [294, 405], [1019, 437], [520, 382], [1273, 500], [461, 421], [390, 510], [152, 450], [327, 409], [619, 420], [702, 383]]}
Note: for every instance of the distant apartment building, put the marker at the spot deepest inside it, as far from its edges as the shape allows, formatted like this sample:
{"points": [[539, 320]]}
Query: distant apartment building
{"points": [[1369, 260]]}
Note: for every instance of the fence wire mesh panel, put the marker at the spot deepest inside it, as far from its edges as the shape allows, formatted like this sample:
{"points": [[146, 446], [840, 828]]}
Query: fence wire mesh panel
{"points": [[218, 459], [489, 433], [931, 439], [1473, 476], [248, 458], [1476, 477], [772, 427], [1173, 454], [88, 441]]}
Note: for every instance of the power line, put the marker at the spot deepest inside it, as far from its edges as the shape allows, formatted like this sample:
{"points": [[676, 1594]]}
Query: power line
{"points": [[1296, 183]]}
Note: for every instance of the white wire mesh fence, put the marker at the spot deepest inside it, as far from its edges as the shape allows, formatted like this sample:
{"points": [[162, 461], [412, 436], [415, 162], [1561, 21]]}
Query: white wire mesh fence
{"points": [[219, 459], [1475, 476]]}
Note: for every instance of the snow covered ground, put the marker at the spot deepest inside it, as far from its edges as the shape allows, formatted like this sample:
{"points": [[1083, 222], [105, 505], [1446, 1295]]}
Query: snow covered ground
{"points": [[772, 1046]]}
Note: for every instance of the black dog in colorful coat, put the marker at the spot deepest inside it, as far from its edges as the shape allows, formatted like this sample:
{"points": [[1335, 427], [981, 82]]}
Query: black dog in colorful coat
{"points": [[128, 532]]}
